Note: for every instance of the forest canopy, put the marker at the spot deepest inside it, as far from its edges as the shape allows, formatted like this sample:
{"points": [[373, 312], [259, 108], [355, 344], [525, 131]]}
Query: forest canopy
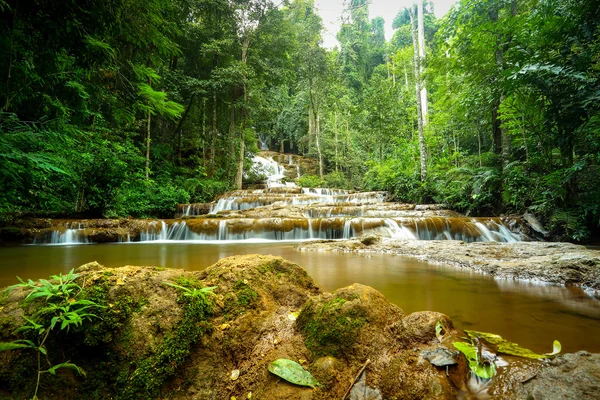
{"points": [[127, 108]]}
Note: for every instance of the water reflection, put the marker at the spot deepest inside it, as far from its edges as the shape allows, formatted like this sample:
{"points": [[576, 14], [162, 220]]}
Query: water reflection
{"points": [[530, 314]]}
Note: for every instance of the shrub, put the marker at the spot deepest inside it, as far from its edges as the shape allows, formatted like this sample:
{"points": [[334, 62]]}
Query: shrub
{"points": [[310, 181]]}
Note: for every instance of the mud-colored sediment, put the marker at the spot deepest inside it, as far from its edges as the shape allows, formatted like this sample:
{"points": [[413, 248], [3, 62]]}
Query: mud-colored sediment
{"points": [[553, 263], [253, 322]]}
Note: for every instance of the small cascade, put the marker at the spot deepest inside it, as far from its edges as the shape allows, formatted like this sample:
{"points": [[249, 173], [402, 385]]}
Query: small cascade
{"points": [[272, 170], [64, 233]]}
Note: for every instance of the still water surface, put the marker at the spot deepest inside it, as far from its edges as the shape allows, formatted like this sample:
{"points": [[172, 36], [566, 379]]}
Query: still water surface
{"points": [[530, 314]]}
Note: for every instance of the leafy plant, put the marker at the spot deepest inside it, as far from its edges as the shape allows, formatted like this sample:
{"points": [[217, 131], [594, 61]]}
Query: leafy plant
{"points": [[310, 181], [61, 308]]}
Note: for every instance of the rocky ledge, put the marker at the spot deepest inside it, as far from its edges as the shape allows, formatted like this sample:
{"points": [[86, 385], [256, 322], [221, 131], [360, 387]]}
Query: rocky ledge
{"points": [[163, 333], [555, 263]]}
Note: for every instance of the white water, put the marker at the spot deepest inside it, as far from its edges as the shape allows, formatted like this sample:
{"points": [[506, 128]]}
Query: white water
{"points": [[357, 214]]}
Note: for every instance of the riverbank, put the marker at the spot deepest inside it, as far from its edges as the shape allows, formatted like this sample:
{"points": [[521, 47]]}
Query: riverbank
{"points": [[153, 340], [553, 263]]}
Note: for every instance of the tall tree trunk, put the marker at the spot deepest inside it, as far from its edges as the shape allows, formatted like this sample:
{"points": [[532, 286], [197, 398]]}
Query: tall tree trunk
{"points": [[317, 133], [213, 134], [203, 140], [421, 36], [240, 159], [422, 149], [335, 127], [148, 146]]}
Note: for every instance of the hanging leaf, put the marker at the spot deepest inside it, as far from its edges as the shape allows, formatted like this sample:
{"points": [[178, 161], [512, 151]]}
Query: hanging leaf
{"points": [[292, 372], [68, 365], [513, 349], [17, 344]]}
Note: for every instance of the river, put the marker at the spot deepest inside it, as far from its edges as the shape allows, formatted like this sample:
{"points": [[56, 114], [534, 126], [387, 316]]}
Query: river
{"points": [[532, 315]]}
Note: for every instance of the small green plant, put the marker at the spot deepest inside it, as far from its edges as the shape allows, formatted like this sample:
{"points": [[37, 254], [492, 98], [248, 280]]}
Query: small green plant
{"points": [[61, 309], [194, 292]]}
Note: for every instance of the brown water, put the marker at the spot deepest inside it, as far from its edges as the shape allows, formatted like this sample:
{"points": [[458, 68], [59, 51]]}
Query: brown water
{"points": [[530, 314]]}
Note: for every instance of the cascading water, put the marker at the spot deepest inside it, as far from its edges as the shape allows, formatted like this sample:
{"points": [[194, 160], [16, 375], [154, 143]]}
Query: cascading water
{"points": [[284, 211]]}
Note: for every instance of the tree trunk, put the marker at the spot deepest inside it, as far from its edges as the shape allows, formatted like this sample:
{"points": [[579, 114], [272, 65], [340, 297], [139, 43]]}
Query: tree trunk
{"points": [[240, 159], [317, 133], [422, 150], [335, 127], [203, 132], [213, 134], [148, 146], [421, 36]]}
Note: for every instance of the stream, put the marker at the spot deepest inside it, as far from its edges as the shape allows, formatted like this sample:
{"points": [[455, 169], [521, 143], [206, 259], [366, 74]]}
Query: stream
{"points": [[532, 315]]}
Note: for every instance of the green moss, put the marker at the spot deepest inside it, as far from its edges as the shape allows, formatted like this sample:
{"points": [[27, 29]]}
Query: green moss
{"points": [[240, 301], [247, 297], [150, 374], [270, 266], [330, 329], [112, 319]]}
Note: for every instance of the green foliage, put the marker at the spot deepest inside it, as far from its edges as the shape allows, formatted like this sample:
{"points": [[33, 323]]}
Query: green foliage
{"points": [[506, 347], [61, 302], [335, 180], [147, 198], [310, 181]]}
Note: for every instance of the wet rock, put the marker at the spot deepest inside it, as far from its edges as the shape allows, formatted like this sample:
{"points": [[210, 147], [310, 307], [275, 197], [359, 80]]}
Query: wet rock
{"points": [[571, 376], [419, 327], [369, 240], [440, 357]]}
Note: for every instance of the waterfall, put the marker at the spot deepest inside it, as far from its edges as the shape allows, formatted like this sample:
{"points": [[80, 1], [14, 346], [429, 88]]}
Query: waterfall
{"points": [[347, 234], [285, 212]]}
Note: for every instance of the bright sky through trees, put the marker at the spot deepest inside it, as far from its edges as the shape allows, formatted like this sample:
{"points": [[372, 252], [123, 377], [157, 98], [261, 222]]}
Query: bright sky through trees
{"points": [[331, 10]]}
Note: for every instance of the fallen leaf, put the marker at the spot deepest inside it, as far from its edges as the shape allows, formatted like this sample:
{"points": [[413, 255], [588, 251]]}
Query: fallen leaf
{"points": [[235, 374], [224, 326], [506, 347], [292, 372], [120, 281]]}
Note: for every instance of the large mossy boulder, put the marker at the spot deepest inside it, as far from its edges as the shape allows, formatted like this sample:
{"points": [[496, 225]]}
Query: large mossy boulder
{"points": [[168, 333]]}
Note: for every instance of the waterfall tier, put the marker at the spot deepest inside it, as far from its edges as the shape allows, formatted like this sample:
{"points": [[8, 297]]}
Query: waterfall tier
{"points": [[283, 211]]}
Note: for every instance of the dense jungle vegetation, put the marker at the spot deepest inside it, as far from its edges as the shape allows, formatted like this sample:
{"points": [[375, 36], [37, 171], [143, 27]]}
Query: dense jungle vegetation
{"points": [[128, 107]]}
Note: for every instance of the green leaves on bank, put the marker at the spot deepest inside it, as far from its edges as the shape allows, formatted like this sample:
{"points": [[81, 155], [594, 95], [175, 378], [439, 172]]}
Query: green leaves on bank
{"points": [[485, 367], [485, 370], [292, 372], [513, 349]]}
